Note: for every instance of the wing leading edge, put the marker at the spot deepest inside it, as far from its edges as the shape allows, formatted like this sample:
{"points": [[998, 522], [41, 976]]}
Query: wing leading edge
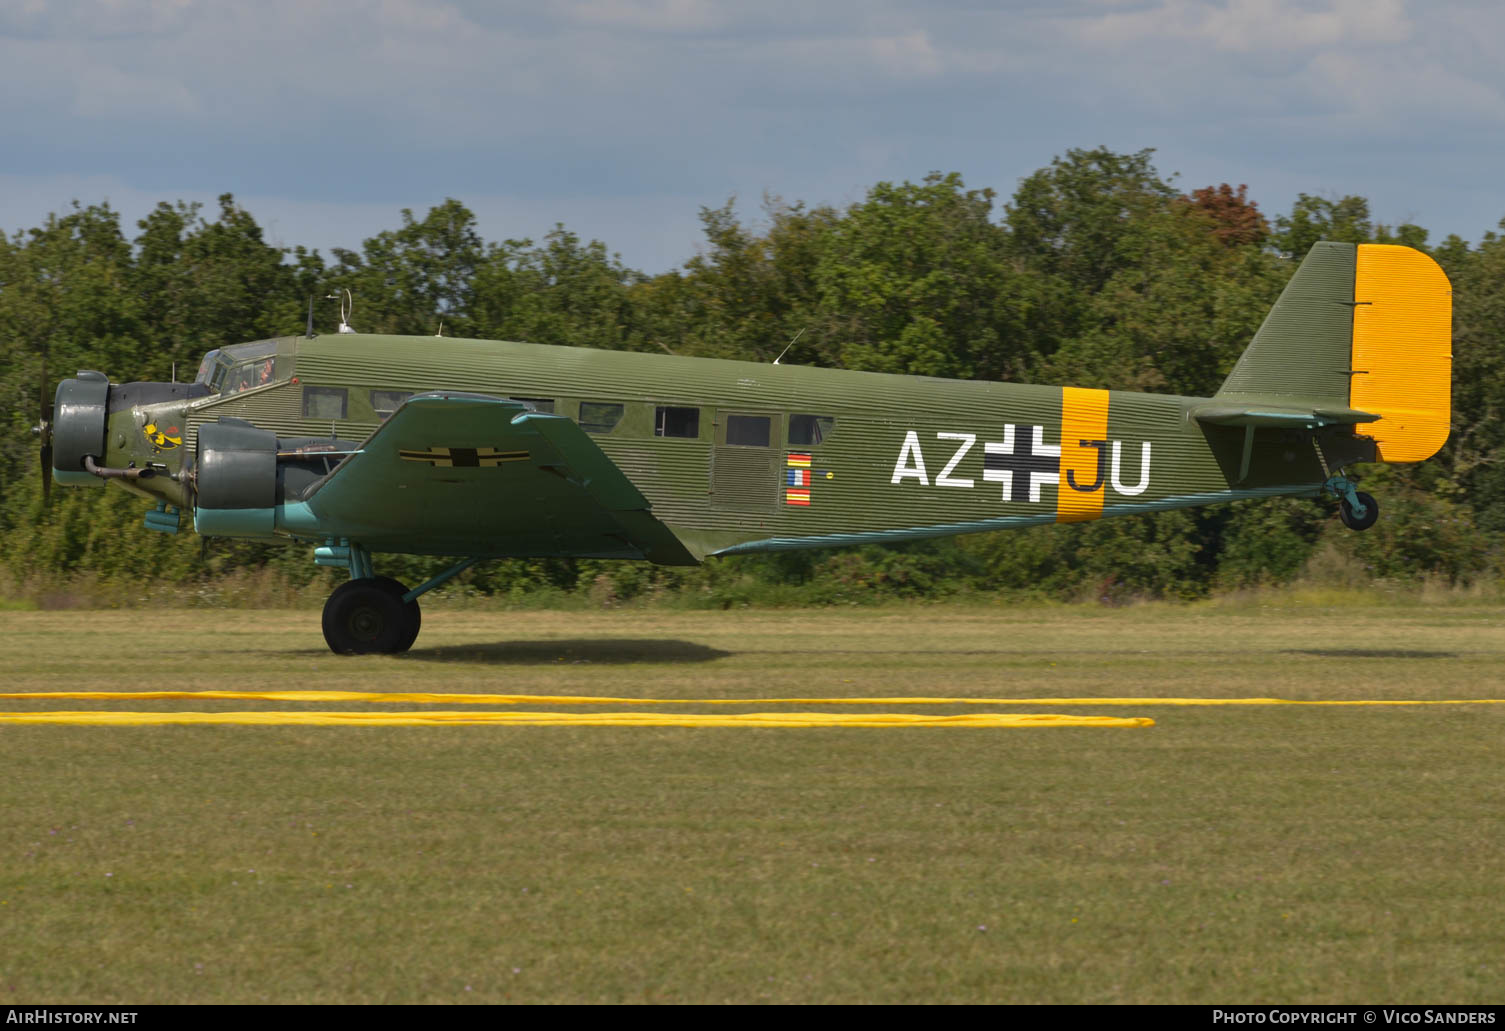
{"points": [[470, 474]]}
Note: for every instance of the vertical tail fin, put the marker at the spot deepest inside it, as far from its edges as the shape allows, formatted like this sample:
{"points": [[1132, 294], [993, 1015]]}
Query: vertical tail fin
{"points": [[1363, 326]]}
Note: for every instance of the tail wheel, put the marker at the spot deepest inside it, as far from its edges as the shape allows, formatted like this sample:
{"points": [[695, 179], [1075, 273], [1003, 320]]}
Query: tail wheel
{"points": [[368, 616], [1364, 522]]}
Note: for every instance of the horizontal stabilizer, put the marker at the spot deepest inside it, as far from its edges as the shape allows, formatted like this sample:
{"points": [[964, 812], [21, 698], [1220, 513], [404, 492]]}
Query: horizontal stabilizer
{"points": [[1280, 416]]}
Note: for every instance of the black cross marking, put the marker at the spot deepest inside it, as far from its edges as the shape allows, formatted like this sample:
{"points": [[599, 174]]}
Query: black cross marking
{"points": [[1016, 470], [463, 457]]}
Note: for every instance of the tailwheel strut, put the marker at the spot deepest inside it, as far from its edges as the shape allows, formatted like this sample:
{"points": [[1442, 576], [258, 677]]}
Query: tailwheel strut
{"points": [[1357, 510]]}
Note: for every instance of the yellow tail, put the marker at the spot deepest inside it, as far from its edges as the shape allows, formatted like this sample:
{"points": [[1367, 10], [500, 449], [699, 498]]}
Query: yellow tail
{"points": [[1402, 351]]}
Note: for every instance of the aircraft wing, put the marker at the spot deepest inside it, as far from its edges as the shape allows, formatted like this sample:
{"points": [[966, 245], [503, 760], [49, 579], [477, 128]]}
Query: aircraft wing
{"points": [[470, 474]]}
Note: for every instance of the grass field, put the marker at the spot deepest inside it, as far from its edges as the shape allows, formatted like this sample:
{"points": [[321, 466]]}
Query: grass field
{"points": [[1274, 854]]}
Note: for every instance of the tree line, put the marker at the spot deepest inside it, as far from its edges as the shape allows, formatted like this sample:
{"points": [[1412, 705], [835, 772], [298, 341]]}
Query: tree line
{"points": [[1096, 272]]}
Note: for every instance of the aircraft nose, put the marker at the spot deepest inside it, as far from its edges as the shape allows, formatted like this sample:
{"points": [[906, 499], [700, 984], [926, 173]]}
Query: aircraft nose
{"points": [[78, 426]]}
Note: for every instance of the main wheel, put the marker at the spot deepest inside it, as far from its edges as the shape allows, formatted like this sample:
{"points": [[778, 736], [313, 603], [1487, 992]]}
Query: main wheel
{"points": [[1364, 522], [412, 614], [364, 616]]}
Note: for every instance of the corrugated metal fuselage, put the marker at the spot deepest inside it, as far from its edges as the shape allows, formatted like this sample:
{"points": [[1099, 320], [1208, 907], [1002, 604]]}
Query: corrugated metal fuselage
{"points": [[902, 457]]}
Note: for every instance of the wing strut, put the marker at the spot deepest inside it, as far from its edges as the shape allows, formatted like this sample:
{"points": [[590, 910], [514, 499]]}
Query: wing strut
{"points": [[453, 571]]}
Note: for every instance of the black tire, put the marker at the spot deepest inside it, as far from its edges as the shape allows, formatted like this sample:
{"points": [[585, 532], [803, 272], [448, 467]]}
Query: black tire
{"points": [[363, 617], [412, 614], [1371, 512]]}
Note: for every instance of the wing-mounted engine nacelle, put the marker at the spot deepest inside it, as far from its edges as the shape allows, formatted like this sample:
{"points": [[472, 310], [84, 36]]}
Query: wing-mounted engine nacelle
{"points": [[81, 408], [236, 467], [245, 474]]}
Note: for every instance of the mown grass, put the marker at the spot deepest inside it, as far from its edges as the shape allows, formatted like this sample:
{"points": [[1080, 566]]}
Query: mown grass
{"points": [[1254, 854]]}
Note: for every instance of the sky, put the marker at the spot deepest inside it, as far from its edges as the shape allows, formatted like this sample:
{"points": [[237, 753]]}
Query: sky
{"points": [[623, 118]]}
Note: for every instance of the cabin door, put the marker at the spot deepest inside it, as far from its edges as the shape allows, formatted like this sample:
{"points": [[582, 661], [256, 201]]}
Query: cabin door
{"points": [[744, 463]]}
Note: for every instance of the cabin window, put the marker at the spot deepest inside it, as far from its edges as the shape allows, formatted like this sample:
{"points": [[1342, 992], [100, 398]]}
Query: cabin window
{"points": [[538, 404], [385, 402], [676, 422], [599, 416], [805, 430], [324, 402], [748, 430]]}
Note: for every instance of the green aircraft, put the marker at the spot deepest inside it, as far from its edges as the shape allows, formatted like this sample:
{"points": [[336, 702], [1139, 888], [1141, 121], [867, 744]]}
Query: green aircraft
{"points": [[370, 445]]}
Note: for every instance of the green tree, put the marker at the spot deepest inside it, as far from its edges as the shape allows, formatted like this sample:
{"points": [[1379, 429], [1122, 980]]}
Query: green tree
{"points": [[64, 290], [916, 279], [1075, 225], [1345, 220], [1475, 454], [406, 280], [562, 292], [1175, 319], [748, 294], [205, 284]]}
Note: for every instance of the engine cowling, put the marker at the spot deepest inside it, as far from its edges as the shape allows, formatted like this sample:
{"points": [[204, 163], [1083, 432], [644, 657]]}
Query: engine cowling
{"points": [[236, 466], [78, 426]]}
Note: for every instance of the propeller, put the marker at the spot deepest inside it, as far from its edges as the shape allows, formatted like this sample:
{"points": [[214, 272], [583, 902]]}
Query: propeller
{"points": [[43, 430]]}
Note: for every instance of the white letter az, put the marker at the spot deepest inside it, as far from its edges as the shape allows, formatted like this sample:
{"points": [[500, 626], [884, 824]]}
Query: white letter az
{"points": [[917, 470], [945, 479]]}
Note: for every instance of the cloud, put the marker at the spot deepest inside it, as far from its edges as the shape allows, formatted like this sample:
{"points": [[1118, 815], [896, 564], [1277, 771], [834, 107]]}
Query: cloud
{"points": [[1248, 26], [585, 108], [1343, 69], [94, 19], [653, 15]]}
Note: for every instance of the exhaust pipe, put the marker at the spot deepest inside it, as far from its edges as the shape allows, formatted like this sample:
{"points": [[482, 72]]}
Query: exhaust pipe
{"points": [[105, 473]]}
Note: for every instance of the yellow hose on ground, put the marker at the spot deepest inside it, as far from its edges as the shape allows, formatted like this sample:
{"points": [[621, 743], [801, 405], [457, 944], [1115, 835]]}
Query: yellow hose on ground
{"points": [[533, 699], [575, 719], [534, 719]]}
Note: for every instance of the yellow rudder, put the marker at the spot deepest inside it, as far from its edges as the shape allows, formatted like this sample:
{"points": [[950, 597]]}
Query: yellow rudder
{"points": [[1402, 351]]}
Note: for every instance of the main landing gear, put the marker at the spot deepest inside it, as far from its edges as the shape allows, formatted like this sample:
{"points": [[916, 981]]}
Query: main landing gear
{"points": [[372, 614], [369, 615]]}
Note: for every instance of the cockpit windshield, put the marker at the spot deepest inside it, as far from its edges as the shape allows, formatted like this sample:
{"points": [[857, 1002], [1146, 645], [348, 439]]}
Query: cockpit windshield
{"points": [[209, 367], [240, 367]]}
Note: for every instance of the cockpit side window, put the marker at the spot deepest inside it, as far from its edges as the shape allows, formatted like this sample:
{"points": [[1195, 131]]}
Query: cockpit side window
{"points": [[260, 373]]}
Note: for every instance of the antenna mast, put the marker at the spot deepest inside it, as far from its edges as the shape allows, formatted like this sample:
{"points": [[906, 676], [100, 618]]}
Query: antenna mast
{"points": [[788, 346]]}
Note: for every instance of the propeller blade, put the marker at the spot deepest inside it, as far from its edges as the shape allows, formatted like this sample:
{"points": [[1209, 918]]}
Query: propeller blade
{"points": [[44, 429]]}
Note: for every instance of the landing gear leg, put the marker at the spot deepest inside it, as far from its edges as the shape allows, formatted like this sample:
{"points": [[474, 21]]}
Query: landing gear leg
{"points": [[412, 615], [371, 614]]}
